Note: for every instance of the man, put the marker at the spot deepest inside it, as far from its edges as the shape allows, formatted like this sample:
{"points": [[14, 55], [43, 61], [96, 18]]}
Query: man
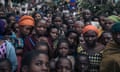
{"points": [[111, 54]]}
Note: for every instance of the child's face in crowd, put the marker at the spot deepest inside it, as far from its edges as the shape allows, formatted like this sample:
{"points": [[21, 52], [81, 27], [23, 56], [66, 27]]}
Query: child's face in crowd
{"points": [[39, 64], [37, 16], [12, 19], [41, 27], [106, 38], [54, 33], [108, 24], [72, 38], [58, 21], [63, 49], [86, 14], [90, 38], [5, 67], [83, 64], [25, 30], [64, 66]]}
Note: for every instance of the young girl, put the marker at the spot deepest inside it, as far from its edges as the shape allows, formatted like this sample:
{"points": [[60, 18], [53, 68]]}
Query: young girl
{"points": [[63, 51], [35, 61], [5, 65], [63, 65]]}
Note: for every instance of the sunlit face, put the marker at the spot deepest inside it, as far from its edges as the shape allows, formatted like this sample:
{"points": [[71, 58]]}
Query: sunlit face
{"points": [[63, 49], [64, 66], [90, 38], [39, 64]]}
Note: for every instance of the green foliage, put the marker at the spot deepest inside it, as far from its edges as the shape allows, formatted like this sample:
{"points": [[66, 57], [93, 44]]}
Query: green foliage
{"points": [[105, 8]]}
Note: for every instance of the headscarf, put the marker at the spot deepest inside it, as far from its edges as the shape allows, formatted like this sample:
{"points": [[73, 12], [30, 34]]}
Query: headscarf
{"points": [[115, 27], [26, 20], [2, 26], [114, 18], [90, 28]]}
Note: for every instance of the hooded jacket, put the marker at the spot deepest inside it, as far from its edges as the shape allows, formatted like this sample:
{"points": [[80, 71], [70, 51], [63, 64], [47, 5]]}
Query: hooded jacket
{"points": [[111, 58]]}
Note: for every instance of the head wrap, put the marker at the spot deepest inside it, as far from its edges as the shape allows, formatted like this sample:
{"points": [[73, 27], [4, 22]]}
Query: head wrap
{"points": [[115, 27], [2, 26], [114, 18], [26, 21], [90, 28]]}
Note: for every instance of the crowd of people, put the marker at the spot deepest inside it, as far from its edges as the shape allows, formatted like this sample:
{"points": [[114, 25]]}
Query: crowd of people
{"points": [[59, 39]]}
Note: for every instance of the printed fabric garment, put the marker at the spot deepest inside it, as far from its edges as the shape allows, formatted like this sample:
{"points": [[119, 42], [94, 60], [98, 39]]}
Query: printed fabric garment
{"points": [[95, 60], [3, 50]]}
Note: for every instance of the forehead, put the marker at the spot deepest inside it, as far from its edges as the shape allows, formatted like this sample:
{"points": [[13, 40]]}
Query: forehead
{"points": [[73, 34], [106, 34], [90, 32], [64, 44], [41, 57], [64, 62]]}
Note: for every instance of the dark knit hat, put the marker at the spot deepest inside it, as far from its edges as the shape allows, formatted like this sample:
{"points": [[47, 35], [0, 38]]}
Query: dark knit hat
{"points": [[115, 27]]}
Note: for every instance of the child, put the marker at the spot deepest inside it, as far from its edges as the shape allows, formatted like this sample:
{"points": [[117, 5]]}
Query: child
{"points": [[63, 51], [5, 65], [82, 63], [63, 65], [35, 61]]}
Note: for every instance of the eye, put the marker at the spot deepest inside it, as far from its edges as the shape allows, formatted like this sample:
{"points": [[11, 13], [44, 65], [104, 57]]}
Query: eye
{"points": [[39, 63]]}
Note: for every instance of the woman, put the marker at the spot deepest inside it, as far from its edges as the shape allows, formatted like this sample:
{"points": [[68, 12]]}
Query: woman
{"points": [[6, 48], [91, 47]]}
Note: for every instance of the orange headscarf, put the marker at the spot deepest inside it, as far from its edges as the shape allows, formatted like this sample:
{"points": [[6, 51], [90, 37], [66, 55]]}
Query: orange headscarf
{"points": [[90, 27], [26, 20]]}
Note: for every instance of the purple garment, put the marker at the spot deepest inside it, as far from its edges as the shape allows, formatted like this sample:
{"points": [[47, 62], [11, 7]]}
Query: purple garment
{"points": [[3, 50], [2, 26]]}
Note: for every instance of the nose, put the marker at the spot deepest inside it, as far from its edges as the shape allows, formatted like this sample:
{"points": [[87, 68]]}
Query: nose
{"points": [[41, 28], [44, 68], [90, 38], [63, 70]]}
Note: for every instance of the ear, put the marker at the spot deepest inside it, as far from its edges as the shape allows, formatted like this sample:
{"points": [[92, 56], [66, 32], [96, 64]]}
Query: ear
{"points": [[24, 69]]}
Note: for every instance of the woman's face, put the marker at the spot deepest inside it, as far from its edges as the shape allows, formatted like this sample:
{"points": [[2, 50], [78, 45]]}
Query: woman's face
{"points": [[64, 66], [90, 38], [54, 33], [63, 49], [39, 64]]}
